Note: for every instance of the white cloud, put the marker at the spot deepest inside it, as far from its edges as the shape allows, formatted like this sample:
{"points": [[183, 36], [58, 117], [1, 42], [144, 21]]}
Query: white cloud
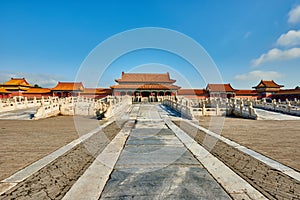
{"points": [[291, 38], [258, 75], [276, 55], [44, 80], [294, 15]]}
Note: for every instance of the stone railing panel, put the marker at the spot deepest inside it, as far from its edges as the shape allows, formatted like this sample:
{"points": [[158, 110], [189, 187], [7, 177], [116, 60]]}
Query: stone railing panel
{"points": [[191, 108], [287, 107]]}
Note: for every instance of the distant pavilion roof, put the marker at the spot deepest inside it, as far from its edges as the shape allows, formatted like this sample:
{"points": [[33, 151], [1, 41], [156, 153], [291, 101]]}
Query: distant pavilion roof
{"points": [[267, 84], [243, 92], [4, 91], [68, 86], [145, 78], [191, 92], [146, 86], [96, 91], [219, 88], [288, 92], [38, 91], [17, 82]]}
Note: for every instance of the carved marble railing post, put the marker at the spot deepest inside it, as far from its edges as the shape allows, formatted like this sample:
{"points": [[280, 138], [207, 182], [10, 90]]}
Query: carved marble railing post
{"points": [[15, 102], [26, 102], [241, 107], [228, 108], [288, 107], [109, 108], [43, 107], [104, 106], [90, 109], [233, 104], [203, 109], [179, 105], [274, 104], [34, 101], [250, 109], [264, 102], [51, 105], [42, 100], [254, 102]]}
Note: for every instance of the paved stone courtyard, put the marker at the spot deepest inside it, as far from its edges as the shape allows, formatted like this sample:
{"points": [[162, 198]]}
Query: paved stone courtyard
{"points": [[22, 141], [271, 181], [153, 164], [55, 179]]}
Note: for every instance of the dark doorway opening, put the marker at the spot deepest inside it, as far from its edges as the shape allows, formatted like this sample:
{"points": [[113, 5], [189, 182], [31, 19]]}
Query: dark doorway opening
{"points": [[145, 94]]}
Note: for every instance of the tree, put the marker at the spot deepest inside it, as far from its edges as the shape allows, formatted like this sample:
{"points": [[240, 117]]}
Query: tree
{"points": [[36, 86], [297, 88]]}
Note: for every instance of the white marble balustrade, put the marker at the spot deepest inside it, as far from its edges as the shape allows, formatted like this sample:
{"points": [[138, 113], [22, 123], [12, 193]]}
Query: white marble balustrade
{"points": [[286, 107], [210, 107]]}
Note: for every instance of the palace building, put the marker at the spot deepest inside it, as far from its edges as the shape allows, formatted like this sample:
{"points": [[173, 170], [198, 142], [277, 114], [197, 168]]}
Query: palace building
{"points": [[67, 89], [193, 93], [220, 90], [37, 92], [148, 87], [16, 86], [246, 94], [4, 93], [145, 85], [287, 94], [96, 93], [267, 88]]}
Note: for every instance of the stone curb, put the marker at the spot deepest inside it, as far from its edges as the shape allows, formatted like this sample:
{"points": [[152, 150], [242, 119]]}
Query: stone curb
{"points": [[236, 186], [92, 182], [21, 175]]}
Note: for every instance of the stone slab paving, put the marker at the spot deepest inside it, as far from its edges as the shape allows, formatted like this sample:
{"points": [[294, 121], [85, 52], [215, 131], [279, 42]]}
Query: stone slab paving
{"points": [[237, 187], [92, 182], [271, 178], [52, 176], [22, 142], [269, 115], [154, 164], [22, 114], [284, 145]]}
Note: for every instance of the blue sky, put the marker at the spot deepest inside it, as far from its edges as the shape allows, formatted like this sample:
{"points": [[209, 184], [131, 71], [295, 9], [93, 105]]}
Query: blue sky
{"points": [[47, 41]]}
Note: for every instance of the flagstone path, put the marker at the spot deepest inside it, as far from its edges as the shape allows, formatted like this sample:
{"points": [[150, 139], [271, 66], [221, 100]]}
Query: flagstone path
{"points": [[155, 164]]}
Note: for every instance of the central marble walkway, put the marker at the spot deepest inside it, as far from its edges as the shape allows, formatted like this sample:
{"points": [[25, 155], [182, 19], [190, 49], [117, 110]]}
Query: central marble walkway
{"points": [[155, 164]]}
